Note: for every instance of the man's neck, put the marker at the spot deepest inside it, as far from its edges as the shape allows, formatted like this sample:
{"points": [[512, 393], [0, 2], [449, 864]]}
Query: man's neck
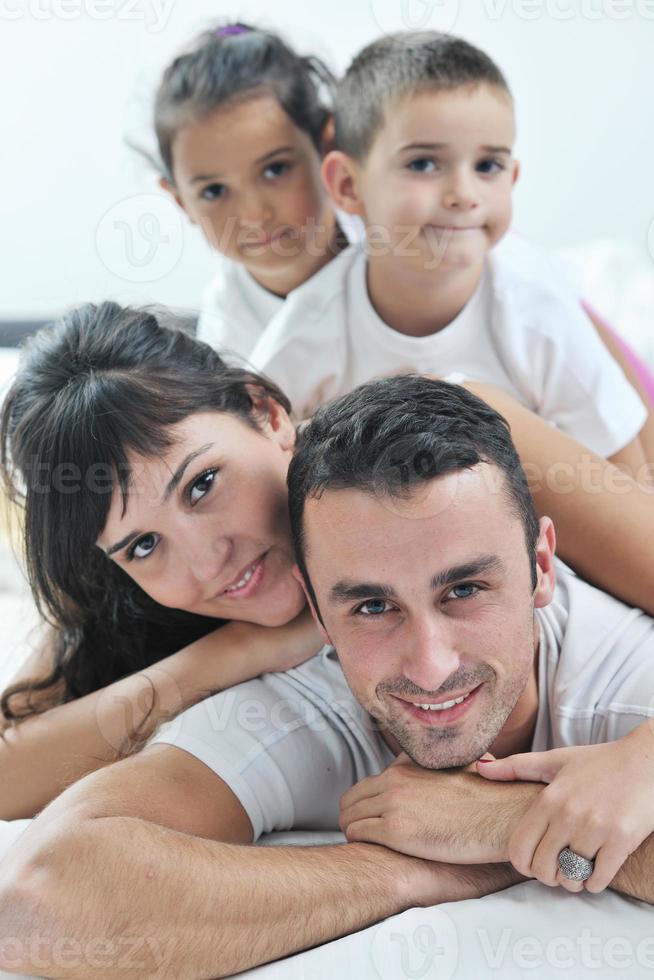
{"points": [[419, 302]]}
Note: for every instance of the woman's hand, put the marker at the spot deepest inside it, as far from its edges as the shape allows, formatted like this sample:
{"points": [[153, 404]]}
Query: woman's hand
{"points": [[600, 804]]}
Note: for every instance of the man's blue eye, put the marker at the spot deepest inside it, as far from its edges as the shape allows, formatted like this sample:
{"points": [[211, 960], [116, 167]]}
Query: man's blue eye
{"points": [[373, 607], [464, 591]]}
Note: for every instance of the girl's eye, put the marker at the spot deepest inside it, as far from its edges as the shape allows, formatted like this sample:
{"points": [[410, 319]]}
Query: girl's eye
{"points": [[201, 486], [276, 169], [490, 167], [373, 607], [143, 547], [213, 192], [464, 591], [425, 165]]}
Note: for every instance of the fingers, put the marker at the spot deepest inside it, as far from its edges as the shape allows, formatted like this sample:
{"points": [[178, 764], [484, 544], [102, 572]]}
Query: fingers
{"points": [[370, 786], [539, 767], [364, 809], [526, 838], [369, 831]]}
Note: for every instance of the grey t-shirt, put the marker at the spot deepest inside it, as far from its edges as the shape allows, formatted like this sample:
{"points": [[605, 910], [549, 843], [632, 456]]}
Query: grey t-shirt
{"points": [[290, 744]]}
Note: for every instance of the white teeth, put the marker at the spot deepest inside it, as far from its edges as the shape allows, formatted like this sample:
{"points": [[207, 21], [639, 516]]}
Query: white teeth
{"points": [[246, 578], [443, 705]]}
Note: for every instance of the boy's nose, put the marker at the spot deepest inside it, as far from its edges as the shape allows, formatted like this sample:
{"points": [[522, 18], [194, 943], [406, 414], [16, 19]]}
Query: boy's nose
{"points": [[460, 192]]}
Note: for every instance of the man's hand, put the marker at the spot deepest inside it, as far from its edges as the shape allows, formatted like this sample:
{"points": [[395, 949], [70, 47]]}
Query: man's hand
{"points": [[440, 815], [600, 803]]}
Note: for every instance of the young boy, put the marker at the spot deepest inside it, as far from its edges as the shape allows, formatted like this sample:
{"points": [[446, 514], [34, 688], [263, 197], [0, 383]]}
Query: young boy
{"points": [[424, 137]]}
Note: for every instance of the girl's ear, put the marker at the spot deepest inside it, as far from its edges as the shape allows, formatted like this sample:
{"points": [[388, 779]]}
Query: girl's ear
{"points": [[339, 175], [169, 188], [327, 137]]}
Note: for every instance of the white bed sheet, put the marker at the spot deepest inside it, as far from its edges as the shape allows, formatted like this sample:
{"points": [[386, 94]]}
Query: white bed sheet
{"points": [[525, 931]]}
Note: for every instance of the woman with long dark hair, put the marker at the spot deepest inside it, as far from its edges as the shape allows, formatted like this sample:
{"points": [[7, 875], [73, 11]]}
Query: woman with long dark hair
{"points": [[152, 481]]}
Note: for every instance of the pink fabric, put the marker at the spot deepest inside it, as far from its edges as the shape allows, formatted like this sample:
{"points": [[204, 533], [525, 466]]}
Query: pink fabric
{"points": [[644, 374]]}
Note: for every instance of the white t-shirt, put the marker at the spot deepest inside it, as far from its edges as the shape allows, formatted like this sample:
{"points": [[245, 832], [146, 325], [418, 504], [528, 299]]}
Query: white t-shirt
{"points": [[290, 744], [522, 330], [236, 309]]}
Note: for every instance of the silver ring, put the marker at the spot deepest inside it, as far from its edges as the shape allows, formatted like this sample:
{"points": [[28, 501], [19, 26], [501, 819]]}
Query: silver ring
{"points": [[575, 867]]}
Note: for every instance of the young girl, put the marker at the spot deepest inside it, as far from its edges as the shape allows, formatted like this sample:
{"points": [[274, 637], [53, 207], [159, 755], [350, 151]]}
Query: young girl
{"points": [[129, 566], [242, 122]]}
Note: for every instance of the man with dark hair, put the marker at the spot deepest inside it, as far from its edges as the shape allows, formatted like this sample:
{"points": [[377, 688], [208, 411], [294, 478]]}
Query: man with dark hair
{"points": [[449, 638]]}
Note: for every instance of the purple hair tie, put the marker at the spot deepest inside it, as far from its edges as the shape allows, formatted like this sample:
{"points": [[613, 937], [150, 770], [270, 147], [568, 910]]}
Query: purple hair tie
{"points": [[231, 29]]}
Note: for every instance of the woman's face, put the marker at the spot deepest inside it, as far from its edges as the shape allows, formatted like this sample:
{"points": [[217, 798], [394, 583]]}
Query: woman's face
{"points": [[206, 527]]}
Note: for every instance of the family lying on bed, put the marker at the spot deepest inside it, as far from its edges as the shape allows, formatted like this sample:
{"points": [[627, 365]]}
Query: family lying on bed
{"points": [[485, 700]]}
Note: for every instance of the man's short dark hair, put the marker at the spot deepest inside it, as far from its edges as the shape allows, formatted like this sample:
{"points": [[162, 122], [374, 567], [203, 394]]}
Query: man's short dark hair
{"points": [[398, 65], [388, 437]]}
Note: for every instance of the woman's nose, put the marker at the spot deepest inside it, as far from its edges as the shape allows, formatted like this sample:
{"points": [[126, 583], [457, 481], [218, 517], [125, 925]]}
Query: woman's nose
{"points": [[207, 557]]}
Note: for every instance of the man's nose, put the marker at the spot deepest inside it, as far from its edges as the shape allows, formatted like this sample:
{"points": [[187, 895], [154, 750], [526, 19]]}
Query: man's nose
{"points": [[430, 654], [460, 190]]}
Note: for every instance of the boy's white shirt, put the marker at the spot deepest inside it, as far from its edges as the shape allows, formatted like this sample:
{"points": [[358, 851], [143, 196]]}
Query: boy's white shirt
{"points": [[523, 330], [236, 309]]}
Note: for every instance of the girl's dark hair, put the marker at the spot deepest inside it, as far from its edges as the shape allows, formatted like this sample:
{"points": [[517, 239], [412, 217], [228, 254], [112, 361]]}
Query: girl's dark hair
{"points": [[100, 383], [219, 68]]}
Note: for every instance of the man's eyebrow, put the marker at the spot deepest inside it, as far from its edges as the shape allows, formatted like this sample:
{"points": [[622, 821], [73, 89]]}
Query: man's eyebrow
{"points": [[469, 569], [345, 590], [170, 487]]}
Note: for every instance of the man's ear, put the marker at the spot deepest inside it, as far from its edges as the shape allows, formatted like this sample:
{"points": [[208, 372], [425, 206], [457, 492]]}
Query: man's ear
{"points": [[297, 574], [169, 188], [339, 175], [545, 571], [515, 172]]}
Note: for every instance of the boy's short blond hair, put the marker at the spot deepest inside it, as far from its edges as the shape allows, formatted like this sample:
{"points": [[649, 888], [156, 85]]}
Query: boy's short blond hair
{"points": [[397, 65]]}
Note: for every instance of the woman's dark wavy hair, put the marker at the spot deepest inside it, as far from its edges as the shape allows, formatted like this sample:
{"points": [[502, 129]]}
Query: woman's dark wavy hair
{"points": [[220, 68], [102, 382]]}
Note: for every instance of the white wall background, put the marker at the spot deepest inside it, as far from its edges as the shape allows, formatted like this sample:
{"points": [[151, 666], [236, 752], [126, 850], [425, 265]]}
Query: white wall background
{"points": [[76, 75]]}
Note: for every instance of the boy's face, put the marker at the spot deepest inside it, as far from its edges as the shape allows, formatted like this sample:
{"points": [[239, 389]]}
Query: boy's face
{"points": [[438, 177]]}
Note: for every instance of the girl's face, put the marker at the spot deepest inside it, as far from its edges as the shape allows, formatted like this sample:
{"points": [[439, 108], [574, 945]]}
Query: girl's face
{"points": [[251, 179], [206, 527]]}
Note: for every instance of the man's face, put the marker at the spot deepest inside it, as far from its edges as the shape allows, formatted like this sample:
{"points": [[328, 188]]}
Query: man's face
{"points": [[441, 171], [429, 601]]}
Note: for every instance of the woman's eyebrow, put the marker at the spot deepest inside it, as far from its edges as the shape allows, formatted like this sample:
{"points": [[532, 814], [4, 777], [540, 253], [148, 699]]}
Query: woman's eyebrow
{"points": [[179, 472], [170, 487]]}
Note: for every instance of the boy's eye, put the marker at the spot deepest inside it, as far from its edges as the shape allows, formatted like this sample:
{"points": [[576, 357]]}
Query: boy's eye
{"points": [[490, 167], [373, 607], [424, 165], [143, 547], [213, 192], [463, 591], [276, 169], [201, 486]]}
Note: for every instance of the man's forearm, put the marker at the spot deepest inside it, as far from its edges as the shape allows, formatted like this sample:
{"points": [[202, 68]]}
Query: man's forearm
{"points": [[124, 898], [636, 876]]}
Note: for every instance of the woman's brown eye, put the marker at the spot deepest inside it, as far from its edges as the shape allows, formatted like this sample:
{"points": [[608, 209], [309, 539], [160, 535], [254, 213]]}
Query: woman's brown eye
{"points": [[143, 547], [202, 486]]}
